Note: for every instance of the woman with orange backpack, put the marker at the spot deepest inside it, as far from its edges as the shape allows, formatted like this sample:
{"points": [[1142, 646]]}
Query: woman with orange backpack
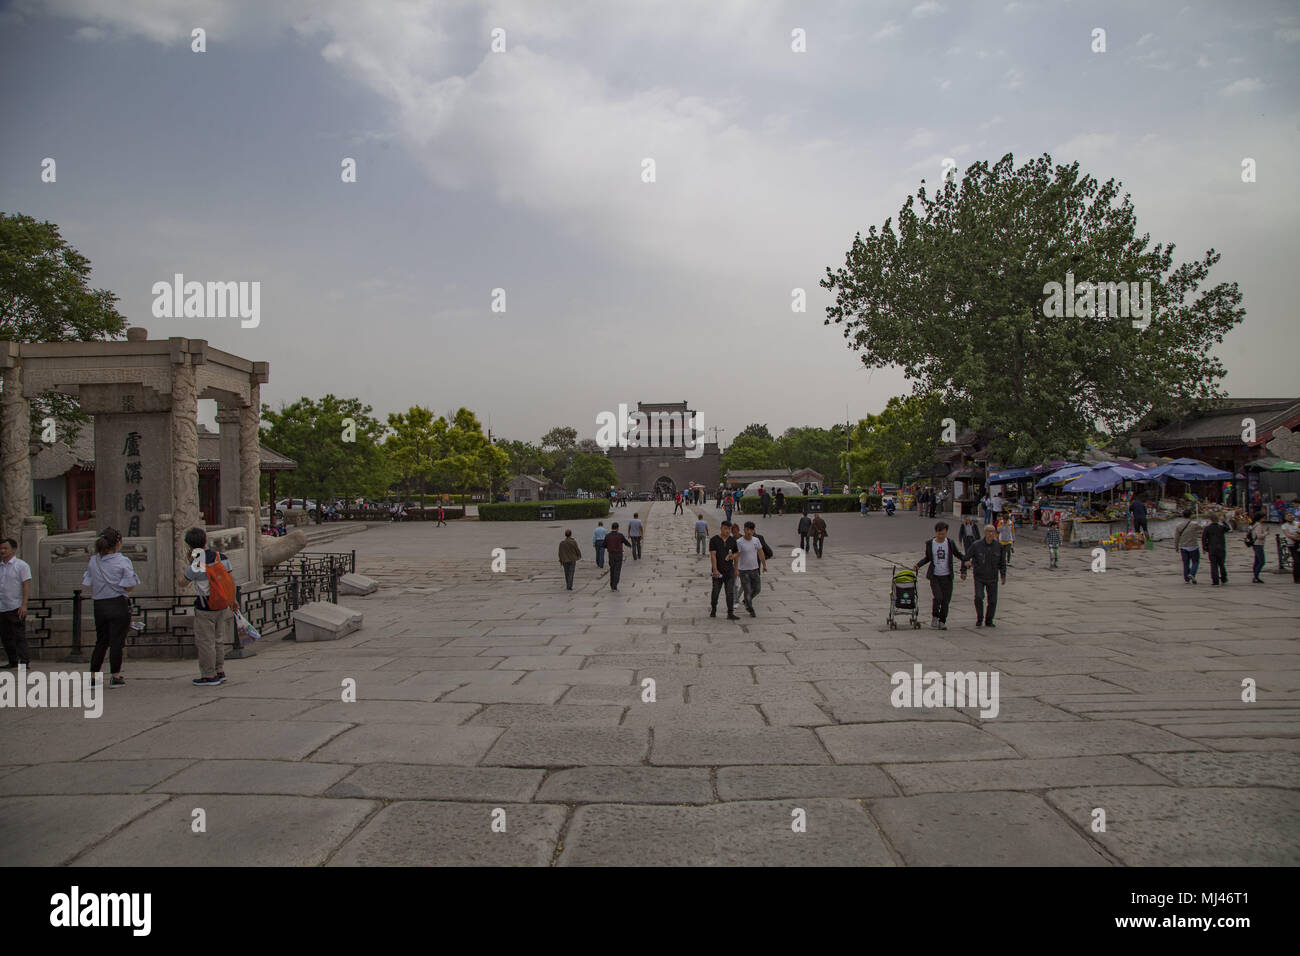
{"points": [[209, 572]]}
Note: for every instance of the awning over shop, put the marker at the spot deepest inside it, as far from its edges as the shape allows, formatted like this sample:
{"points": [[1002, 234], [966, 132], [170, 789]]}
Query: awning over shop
{"points": [[1010, 474]]}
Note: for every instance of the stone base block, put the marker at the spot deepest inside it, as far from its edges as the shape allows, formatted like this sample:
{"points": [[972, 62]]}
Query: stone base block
{"points": [[322, 621], [357, 584]]}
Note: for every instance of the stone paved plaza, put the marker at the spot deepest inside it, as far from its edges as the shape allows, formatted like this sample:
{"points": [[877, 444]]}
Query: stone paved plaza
{"points": [[480, 691]]}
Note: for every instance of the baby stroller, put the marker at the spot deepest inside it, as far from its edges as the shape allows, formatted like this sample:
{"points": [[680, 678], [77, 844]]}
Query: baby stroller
{"points": [[903, 597]]}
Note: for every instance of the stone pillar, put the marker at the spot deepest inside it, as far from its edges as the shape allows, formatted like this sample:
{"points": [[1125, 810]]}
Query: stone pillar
{"points": [[230, 424], [166, 568], [29, 548], [246, 518], [185, 447], [15, 434], [250, 463]]}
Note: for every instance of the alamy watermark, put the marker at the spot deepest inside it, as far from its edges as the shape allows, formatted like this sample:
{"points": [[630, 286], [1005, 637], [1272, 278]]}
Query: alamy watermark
{"points": [[651, 430], [53, 689], [951, 689], [179, 299], [1098, 300]]}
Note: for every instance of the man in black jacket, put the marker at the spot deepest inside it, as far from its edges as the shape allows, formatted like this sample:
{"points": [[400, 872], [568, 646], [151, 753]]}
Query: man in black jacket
{"points": [[805, 534], [942, 555], [1214, 541], [988, 561]]}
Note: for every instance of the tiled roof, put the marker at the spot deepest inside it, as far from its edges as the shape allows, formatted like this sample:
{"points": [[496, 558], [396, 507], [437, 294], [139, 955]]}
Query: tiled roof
{"points": [[1223, 425]]}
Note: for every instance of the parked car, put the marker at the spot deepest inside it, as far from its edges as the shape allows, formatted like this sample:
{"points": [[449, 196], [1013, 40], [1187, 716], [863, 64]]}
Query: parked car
{"points": [[285, 504]]}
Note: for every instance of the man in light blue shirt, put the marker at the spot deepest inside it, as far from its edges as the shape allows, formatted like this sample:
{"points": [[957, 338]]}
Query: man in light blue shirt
{"points": [[635, 530], [701, 536], [598, 542]]}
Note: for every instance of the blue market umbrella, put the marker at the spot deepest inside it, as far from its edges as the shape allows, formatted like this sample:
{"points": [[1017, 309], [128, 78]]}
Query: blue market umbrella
{"points": [[1063, 474], [1189, 469], [1106, 476]]}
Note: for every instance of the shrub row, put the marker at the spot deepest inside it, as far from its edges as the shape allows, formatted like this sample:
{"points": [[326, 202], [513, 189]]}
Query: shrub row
{"points": [[749, 504], [566, 509]]}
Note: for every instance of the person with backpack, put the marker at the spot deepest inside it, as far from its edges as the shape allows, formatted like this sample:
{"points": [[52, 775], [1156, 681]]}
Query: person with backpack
{"points": [[442, 517], [1257, 541], [214, 602], [111, 577], [1214, 541]]}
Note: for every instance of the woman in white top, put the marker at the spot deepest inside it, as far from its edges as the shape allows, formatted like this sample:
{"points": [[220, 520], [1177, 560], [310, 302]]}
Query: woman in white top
{"points": [[111, 576], [1259, 541]]}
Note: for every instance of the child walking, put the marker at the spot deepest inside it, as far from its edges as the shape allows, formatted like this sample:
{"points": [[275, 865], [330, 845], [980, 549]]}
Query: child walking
{"points": [[1053, 539], [1007, 535]]}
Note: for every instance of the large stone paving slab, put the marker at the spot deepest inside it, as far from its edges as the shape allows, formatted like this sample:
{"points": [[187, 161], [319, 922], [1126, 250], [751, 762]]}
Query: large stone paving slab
{"points": [[116, 776], [981, 829], [787, 745], [776, 783], [254, 776], [910, 741], [628, 785], [1087, 737], [51, 830], [241, 831], [838, 833], [1169, 826], [226, 739], [455, 834], [965, 776], [388, 781], [569, 747], [409, 743]]}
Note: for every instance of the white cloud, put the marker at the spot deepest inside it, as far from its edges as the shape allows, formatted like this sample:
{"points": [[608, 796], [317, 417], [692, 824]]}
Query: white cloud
{"points": [[1145, 38], [888, 30], [922, 137], [1249, 84], [1202, 61], [1015, 79], [1288, 34], [995, 121], [943, 84], [929, 8]]}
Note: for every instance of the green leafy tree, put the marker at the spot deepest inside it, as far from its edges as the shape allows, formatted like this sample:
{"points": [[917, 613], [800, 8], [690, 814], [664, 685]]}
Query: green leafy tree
{"points": [[590, 473], [311, 432], [757, 431], [900, 440], [471, 462], [416, 441], [955, 296], [749, 451], [45, 296], [561, 437], [810, 447], [525, 458]]}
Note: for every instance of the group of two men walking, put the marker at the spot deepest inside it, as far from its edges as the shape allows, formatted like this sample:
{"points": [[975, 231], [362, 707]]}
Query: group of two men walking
{"points": [[733, 557], [988, 561]]}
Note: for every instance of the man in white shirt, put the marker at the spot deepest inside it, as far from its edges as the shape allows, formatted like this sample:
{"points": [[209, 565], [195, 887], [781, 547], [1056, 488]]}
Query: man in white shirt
{"points": [[15, 588], [941, 554], [750, 559]]}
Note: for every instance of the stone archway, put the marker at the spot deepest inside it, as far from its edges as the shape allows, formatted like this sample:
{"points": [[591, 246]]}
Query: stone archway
{"points": [[665, 486]]}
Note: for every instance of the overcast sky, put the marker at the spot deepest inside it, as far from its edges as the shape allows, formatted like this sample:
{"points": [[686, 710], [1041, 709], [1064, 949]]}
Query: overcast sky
{"points": [[522, 170]]}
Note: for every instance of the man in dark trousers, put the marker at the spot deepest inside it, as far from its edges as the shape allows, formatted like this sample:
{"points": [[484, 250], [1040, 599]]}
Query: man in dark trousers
{"points": [[988, 562], [819, 533], [942, 555], [1214, 541], [570, 555], [614, 542], [805, 534], [722, 568], [635, 529]]}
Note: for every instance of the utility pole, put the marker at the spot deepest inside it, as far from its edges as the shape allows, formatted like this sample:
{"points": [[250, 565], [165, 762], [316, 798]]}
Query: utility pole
{"points": [[848, 448]]}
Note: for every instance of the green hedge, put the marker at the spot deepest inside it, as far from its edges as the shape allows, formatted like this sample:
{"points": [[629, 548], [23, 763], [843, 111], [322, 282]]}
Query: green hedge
{"points": [[565, 510], [749, 504]]}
